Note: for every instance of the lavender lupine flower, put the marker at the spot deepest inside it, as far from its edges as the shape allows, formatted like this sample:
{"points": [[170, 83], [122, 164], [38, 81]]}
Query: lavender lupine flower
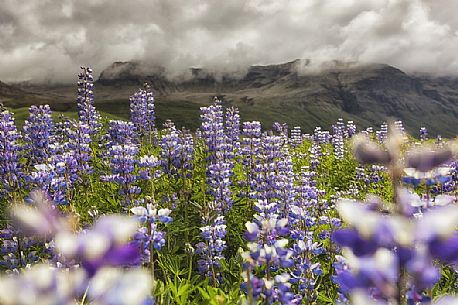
{"points": [[439, 175], [381, 249], [213, 133], [97, 250], [121, 132], [281, 129], [359, 298], [37, 134], [177, 152], [122, 163], [211, 249], [16, 250], [338, 143], [112, 286], [273, 175], [296, 136], [85, 101], [149, 167], [267, 249], [220, 151], [351, 129], [315, 153], [321, 136], [43, 285], [59, 135], [56, 177], [10, 168], [232, 127], [79, 140], [273, 188], [250, 149], [107, 244], [149, 237], [142, 113], [302, 221], [400, 126]]}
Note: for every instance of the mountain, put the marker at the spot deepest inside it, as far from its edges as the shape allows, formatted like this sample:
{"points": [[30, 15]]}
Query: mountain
{"points": [[295, 92]]}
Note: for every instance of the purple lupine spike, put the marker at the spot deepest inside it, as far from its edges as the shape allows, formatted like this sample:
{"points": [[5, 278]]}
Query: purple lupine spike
{"points": [[123, 161], [250, 149], [37, 134], [275, 194], [10, 168], [337, 140], [220, 163], [177, 152], [85, 101], [79, 140], [142, 111], [296, 136], [351, 129], [57, 177], [232, 127], [121, 132]]}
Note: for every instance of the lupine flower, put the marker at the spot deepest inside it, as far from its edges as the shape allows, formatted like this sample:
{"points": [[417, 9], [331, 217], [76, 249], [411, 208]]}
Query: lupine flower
{"points": [[250, 149], [56, 177], [220, 151], [232, 127], [59, 135], [150, 237], [37, 133], [78, 143], [281, 129], [268, 249], [382, 247], [351, 129], [177, 152], [426, 158], [211, 249], [142, 113], [10, 168], [107, 244], [121, 132], [122, 165], [296, 136], [16, 250], [87, 113]]}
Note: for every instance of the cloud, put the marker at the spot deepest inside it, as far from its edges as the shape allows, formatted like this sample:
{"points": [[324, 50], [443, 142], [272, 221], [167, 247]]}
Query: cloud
{"points": [[48, 40]]}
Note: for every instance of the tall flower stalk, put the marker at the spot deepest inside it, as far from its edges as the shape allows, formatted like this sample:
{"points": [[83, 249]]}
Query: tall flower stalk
{"points": [[85, 101]]}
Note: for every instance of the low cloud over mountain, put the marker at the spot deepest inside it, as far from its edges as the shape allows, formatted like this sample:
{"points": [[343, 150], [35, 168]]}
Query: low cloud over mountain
{"points": [[49, 40]]}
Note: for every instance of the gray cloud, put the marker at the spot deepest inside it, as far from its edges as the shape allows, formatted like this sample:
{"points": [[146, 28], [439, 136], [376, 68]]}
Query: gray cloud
{"points": [[48, 40]]}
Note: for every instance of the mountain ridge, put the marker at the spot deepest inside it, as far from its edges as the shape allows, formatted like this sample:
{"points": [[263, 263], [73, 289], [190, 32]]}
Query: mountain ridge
{"points": [[295, 92]]}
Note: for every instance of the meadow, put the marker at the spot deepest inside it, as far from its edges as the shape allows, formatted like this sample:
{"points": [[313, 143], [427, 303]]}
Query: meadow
{"points": [[99, 210]]}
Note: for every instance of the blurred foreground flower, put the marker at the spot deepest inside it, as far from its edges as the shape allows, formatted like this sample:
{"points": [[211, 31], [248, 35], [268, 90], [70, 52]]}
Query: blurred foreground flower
{"points": [[96, 250]]}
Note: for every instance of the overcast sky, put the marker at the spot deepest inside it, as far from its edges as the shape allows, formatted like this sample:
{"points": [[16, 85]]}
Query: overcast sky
{"points": [[50, 39]]}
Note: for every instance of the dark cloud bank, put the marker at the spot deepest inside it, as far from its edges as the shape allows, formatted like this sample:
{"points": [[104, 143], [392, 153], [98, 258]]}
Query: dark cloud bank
{"points": [[50, 39]]}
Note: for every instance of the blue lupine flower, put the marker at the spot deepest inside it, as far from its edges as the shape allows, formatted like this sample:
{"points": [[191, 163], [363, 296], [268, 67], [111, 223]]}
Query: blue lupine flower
{"points": [[87, 113], [10, 168], [37, 134], [123, 161], [142, 112]]}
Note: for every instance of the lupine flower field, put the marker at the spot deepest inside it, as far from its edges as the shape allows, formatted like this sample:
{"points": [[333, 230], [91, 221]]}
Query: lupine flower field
{"points": [[128, 212]]}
